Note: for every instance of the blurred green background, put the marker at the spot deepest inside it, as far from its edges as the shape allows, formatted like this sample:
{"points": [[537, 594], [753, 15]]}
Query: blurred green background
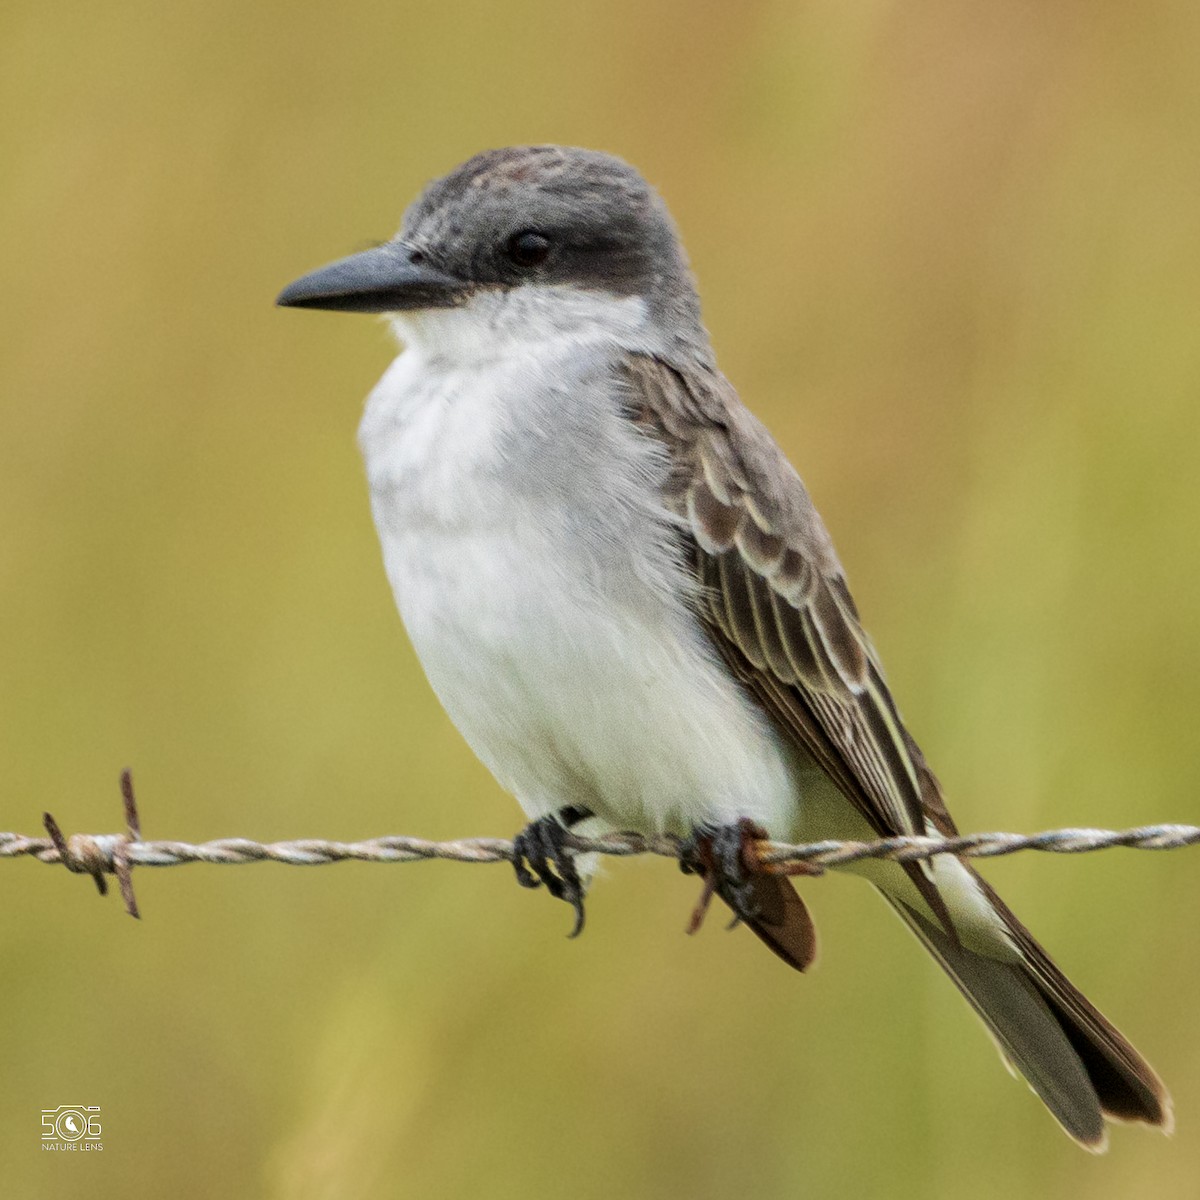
{"points": [[951, 253]]}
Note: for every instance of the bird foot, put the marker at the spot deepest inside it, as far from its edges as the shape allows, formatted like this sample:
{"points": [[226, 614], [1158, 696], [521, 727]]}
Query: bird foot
{"points": [[726, 858], [542, 845]]}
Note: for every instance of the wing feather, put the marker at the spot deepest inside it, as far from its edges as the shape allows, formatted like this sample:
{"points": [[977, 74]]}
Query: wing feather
{"points": [[775, 603], [775, 597]]}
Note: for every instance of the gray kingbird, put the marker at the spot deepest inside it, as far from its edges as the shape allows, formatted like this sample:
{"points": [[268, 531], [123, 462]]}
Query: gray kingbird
{"points": [[624, 598]]}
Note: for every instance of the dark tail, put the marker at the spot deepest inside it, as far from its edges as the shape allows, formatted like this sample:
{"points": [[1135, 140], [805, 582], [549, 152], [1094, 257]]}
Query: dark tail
{"points": [[1072, 1057]]}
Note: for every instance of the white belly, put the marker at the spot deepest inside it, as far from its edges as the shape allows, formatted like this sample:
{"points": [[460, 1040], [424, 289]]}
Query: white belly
{"points": [[533, 566]]}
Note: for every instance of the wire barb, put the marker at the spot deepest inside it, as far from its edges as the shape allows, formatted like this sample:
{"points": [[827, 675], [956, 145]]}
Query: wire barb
{"points": [[93, 854], [99, 855]]}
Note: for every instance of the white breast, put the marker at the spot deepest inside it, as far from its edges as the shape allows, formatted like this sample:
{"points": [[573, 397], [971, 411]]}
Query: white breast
{"points": [[536, 572]]}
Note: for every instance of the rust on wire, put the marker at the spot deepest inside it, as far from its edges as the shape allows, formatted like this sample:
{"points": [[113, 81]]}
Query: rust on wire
{"points": [[99, 855]]}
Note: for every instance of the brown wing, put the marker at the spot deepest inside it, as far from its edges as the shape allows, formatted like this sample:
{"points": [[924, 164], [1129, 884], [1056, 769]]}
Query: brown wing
{"points": [[775, 597], [778, 608]]}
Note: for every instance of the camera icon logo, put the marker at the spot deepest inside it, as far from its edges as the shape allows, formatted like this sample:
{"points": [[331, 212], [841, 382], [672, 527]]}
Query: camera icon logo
{"points": [[71, 1123]]}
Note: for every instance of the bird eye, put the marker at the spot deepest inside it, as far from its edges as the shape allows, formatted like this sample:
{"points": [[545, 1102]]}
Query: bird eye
{"points": [[527, 248]]}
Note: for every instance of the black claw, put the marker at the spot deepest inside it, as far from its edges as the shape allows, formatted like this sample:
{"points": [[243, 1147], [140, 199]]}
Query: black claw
{"points": [[524, 878], [576, 900], [541, 844]]}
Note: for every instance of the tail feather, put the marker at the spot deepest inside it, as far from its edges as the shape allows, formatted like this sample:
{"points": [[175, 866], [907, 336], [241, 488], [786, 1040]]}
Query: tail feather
{"points": [[783, 922], [1127, 1086], [1080, 1066]]}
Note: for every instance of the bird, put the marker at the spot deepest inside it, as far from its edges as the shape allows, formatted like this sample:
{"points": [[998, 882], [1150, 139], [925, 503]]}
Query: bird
{"points": [[623, 596]]}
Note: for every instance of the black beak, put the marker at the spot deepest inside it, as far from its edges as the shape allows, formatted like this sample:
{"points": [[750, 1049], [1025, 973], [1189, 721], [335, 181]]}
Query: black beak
{"points": [[390, 278]]}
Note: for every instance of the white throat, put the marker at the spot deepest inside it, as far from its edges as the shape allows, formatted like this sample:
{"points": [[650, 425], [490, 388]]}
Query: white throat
{"points": [[496, 323]]}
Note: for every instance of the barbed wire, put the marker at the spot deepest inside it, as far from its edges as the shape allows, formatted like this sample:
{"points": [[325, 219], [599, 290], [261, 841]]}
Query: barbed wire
{"points": [[104, 854]]}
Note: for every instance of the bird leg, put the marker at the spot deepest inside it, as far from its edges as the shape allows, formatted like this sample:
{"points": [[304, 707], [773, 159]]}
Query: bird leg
{"points": [[726, 858], [542, 844]]}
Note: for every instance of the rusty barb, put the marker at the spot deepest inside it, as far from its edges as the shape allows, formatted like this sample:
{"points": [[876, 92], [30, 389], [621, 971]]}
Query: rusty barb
{"points": [[96, 854], [117, 854]]}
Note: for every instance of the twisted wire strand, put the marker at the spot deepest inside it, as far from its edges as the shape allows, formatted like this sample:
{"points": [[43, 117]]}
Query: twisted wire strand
{"points": [[102, 854], [104, 849]]}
